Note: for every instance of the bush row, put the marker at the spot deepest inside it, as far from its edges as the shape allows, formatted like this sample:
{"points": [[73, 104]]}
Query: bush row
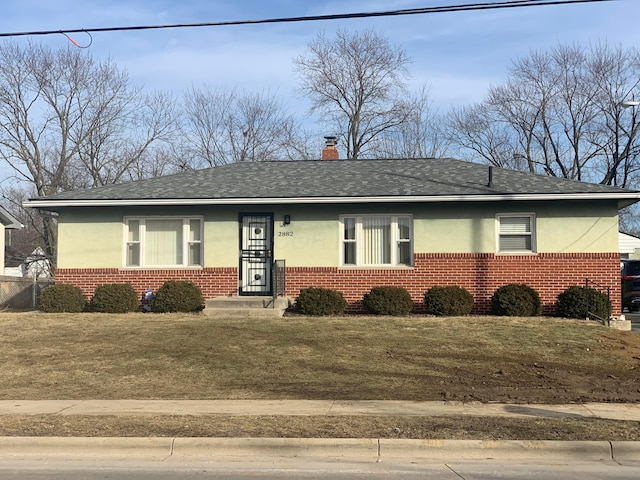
{"points": [[172, 296], [509, 300], [452, 300]]}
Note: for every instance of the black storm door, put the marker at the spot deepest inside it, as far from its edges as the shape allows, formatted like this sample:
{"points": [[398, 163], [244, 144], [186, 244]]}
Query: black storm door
{"points": [[256, 254]]}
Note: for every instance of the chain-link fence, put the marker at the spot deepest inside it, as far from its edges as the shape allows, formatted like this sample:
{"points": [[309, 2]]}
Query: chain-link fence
{"points": [[21, 293]]}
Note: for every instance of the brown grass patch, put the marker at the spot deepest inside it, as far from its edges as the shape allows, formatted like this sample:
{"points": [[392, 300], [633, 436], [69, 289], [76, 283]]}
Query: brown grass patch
{"points": [[457, 428], [137, 356]]}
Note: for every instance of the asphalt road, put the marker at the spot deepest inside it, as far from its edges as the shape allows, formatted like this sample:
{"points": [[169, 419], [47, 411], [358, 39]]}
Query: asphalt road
{"points": [[245, 468], [635, 321]]}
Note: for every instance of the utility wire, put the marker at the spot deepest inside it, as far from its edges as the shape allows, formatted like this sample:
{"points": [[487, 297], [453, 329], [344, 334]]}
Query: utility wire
{"points": [[340, 16]]}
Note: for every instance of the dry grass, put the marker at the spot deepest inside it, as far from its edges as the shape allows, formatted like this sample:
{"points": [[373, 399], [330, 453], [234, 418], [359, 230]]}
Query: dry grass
{"points": [[541, 360], [538, 360], [455, 428]]}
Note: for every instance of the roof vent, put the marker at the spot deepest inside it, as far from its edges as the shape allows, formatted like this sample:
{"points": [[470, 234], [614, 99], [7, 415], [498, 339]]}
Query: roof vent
{"points": [[490, 182]]}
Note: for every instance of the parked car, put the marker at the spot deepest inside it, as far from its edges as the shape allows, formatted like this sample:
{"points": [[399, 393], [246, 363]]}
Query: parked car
{"points": [[630, 278]]}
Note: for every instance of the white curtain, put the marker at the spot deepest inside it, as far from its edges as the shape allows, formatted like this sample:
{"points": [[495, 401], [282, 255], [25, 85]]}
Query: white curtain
{"points": [[163, 242], [376, 232]]}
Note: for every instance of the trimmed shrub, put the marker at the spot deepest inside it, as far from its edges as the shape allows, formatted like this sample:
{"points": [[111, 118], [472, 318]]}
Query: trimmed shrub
{"points": [[448, 301], [60, 297], [114, 298], [178, 296], [320, 301], [394, 301], [516, 300], [572, 303]]}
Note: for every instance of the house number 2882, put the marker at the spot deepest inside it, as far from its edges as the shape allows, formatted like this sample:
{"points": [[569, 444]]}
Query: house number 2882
{"points": [[285, 234]]}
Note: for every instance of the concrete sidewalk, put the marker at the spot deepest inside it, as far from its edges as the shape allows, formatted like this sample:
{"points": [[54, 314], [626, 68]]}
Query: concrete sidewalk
{"points": [[373, 449], [369, 449], [612, 411]]}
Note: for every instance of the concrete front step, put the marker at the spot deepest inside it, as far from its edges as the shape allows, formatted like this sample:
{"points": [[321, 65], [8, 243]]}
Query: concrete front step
{"points": [[243, 312], [246, 307]]}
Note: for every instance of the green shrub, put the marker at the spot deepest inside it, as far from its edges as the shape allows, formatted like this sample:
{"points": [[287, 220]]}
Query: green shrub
{"points": [[115, 298], [394, 301], [448, 301], [572, 303], [516, 300], [178, 296], [62, 298], [320, 301]]}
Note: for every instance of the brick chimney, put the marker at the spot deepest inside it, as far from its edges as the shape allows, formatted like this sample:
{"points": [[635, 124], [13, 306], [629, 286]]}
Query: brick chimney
{"points": [[330, 152]]}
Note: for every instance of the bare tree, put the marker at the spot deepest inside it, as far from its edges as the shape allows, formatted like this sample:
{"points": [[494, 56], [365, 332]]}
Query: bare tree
{"points": [[420, 135], [481, 133], [225, 126], [560, 113], [68, 121], [616, 75], [357, 84], [120, 132]]}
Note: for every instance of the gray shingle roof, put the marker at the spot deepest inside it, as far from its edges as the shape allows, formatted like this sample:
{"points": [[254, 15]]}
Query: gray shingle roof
{"points": [[350, 179]]}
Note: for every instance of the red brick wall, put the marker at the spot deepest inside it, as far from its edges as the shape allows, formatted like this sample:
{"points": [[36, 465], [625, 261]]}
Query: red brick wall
{"points": [[481, 274], [213, 282]]}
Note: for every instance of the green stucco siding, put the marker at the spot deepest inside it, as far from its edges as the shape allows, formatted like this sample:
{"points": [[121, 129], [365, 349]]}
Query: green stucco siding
{"points": [[584, 228], [310, 240], [84, 242], [93, 237], [451, 229], [560, 227]]}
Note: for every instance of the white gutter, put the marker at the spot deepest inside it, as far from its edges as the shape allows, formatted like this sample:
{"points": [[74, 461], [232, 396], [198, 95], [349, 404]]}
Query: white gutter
{"points": [[53, 204]]}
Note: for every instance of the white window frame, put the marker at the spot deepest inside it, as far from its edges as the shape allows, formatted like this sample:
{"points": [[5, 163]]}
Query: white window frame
{"points": [[532, 233], [394, 240], [186, 241]]}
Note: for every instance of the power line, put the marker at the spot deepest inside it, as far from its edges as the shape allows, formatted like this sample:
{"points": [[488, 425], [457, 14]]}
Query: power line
{"points": [[340, 16]]}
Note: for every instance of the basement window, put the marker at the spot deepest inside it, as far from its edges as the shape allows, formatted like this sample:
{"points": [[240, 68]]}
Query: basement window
{"points": [[373, 240], [516, 233], [163, 242]]}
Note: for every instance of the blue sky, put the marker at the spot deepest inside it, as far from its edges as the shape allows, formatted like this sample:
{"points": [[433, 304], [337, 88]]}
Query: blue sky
{"points": [[458, 54]]}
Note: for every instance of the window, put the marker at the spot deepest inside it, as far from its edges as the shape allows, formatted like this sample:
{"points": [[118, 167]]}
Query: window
{"points": [[163, 242], [516, 233], [369, 240]]}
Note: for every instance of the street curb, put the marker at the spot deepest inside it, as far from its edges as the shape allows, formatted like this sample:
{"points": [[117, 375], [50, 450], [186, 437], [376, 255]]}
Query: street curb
{"points": [[279, 447], [497, 449], [626, 452], [87, 446], [161, 447]]}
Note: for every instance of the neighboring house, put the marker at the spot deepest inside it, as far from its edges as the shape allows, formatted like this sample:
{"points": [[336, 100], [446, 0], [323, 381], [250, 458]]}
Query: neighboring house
{"points": [[8, 223], [348, 225], [13, 262], [34, 264], [629, 246]]}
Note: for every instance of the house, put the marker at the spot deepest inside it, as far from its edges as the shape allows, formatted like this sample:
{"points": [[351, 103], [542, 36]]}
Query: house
{"points": [[33, 264], [629, 246], [7, 223], [348, 225], [13, 262]]}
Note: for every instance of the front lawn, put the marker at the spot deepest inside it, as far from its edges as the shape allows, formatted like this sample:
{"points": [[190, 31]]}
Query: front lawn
{"points": [[100, 356], [178, 356]]}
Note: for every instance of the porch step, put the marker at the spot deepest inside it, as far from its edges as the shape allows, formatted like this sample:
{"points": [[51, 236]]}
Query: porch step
{"points": [[246, 307]]}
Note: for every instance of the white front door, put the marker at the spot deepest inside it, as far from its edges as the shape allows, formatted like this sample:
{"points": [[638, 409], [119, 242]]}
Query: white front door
{"points": [[256, 254]]}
